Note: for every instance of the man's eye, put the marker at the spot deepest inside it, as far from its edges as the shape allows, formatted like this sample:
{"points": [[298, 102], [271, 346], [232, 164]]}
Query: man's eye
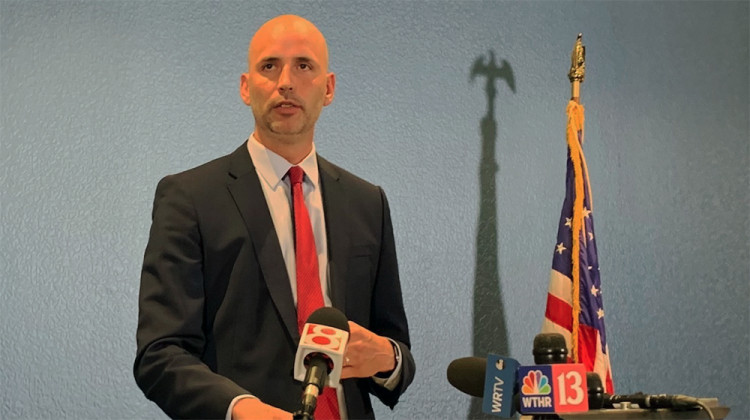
{"points": [[267, 66], [304, 66]]}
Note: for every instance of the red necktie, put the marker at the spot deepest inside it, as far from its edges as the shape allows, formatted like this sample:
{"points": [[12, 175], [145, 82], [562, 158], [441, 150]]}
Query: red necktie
{"points": [[309, 293]]}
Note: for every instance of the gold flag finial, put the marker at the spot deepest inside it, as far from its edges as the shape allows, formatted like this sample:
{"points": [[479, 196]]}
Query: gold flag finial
{"points": [[577, 67]]}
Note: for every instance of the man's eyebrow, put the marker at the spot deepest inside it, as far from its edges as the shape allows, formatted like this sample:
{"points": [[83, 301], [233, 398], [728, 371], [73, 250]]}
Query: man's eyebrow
{"points": [[300, 59]]}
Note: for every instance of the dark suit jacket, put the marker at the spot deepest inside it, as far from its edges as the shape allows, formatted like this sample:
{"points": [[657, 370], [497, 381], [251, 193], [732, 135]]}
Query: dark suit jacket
{"points": [[216, 314]]}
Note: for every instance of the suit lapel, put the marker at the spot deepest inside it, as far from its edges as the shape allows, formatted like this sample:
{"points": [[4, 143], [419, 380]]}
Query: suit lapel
{"points": [[247, 193], [335, 205]]}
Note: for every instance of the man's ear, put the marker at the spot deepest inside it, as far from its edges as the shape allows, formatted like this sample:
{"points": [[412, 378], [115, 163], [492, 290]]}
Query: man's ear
{"points": [[244, 88], [330, 88]]}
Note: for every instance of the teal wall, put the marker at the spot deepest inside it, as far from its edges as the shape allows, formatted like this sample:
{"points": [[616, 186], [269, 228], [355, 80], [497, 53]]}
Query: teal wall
{"points": [[100, 99]]}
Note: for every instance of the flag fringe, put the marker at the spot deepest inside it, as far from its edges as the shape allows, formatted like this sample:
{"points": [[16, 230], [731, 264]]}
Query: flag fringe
{"points": [[575, 113]]}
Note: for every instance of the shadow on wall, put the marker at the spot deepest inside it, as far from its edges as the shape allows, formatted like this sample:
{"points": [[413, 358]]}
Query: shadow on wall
{"points": [[490, 334]]}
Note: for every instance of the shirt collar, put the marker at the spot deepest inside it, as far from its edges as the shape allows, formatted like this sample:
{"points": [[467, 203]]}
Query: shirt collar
{"points": [[272, 168]]}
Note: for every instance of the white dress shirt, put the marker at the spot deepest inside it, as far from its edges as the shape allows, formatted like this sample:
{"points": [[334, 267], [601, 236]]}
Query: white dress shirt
{"points": [[272, 169]]}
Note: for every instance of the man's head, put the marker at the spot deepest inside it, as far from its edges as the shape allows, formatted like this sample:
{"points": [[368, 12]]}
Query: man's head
{"points": [[287, 83]]}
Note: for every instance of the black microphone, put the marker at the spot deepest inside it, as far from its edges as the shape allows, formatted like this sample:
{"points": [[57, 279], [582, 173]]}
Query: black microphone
{"points": [[493, 379], [676, 402], [320, 356], [467, 375], [595, 390], [550, 349]]}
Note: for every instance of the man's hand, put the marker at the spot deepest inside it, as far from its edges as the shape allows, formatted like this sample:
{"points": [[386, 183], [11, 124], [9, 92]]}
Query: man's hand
{"points": [[366, 353], [253, 408]]}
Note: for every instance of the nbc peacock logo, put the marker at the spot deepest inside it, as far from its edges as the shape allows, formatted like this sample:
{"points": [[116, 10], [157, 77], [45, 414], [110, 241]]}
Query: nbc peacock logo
{"points": [[536, 383]]}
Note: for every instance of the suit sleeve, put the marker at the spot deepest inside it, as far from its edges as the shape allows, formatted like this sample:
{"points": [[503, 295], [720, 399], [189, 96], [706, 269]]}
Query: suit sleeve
{"points": [[170, 335], [388, 317]]}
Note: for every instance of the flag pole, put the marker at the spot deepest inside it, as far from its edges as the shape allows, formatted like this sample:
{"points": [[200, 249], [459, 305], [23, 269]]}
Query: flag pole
{"points": [[577, 69], [574, 138], [575, 268]]}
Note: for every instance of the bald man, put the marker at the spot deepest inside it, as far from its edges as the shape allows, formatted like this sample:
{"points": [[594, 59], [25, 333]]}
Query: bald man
{"points": [[217, 326]]}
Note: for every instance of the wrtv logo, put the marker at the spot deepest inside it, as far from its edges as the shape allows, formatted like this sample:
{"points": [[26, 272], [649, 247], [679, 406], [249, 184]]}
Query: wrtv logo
{"points": [[559, 388], [499, 384]]}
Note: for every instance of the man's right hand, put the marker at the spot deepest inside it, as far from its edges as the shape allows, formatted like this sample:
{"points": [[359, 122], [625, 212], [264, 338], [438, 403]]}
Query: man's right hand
{"points": [[253, 408]]}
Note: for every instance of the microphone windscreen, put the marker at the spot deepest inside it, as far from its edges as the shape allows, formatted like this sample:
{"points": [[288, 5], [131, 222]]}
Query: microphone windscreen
{"points": [[595, 390], [467, 375], [550, 348], [329, 316]]}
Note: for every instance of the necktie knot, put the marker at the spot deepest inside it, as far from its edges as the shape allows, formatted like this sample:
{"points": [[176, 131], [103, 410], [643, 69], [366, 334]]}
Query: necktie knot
{"points": [[296, 174]]}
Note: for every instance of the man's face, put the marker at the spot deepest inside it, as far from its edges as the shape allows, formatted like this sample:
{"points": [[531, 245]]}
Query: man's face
{"points": [[287, 84]]}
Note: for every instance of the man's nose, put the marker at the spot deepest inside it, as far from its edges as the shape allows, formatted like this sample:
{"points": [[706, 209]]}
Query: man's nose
{"points": [[285, 80]]}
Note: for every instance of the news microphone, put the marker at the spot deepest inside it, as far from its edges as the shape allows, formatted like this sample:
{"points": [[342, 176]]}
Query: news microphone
{"points": [[675, 402], [550, 389], [320, 355], [467, 375], [552, 385], [572, 391], [549, 349], [492, 378], [595, 390]]}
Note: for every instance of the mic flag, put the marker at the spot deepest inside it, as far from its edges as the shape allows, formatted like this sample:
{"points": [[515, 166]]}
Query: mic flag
{"points": [[557, 388], [492, 378], [499, 384], [325, 334]]}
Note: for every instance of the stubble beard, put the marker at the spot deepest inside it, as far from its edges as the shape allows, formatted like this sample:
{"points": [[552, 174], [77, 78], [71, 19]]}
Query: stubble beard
{"points": [[286, 126]]}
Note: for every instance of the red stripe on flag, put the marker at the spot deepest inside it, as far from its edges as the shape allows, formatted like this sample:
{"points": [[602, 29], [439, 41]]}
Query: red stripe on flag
{"points": [[559, 311], [587, 337], [609, 386]]}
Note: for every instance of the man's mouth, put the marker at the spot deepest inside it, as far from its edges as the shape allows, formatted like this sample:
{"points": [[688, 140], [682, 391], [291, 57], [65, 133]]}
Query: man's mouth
{"points": [[286, 104]]}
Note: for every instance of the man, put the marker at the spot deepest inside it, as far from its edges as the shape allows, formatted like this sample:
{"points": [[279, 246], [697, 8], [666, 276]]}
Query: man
{"points": [[219, 322]]}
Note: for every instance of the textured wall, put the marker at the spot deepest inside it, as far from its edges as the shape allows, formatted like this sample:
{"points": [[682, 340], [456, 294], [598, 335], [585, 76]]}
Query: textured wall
{"points": [[101, 99]]}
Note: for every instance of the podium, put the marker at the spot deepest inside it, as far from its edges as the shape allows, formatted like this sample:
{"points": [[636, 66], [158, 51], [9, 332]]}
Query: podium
{"points": [[634, 413]]}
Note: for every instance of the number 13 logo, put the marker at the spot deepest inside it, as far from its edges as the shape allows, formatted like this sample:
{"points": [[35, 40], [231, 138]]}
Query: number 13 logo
{"points": [[571, 393]]}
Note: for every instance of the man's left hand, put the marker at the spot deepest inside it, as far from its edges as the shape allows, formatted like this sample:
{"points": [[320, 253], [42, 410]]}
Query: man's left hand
{"points": [[366, 353]]}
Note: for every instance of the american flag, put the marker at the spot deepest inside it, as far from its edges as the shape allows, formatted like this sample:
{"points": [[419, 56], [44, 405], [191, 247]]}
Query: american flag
{"points": [[574, 300]]}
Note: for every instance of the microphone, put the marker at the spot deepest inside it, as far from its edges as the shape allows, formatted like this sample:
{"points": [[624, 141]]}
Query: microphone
{"points": [[549, 349], [595, 390], [320, 355], [552, 385], [492, 378], [676, 402], [571, 391], [467, 375]]}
